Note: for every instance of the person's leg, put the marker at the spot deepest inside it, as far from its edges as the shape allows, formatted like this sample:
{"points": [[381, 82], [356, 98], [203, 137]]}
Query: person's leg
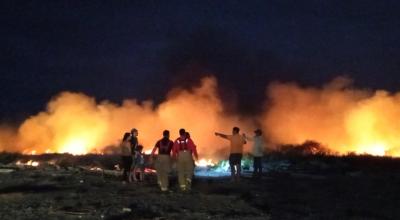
{"points": [[239, 171], [125, 170], [259, 167], [254, 166], [131, 175], [189, 170], [158, 166], [257, 161], [232, 166], [142, 174], [134, 174], [181, 172], [161, 172], [239, 166]]}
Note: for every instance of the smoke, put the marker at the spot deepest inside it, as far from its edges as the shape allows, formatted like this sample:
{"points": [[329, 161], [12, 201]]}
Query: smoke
{"points": [[7, 137], [336, 115], [76, 123]]}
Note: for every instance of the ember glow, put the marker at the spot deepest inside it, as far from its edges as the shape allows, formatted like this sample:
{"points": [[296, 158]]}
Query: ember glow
{"points": [[28, 163], [205, 163]]}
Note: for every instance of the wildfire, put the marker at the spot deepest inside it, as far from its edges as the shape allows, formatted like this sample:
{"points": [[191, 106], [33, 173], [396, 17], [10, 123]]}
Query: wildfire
{"points": [[336, 115], [75, 146], [205, 163], [374, 149], [28, 163]]}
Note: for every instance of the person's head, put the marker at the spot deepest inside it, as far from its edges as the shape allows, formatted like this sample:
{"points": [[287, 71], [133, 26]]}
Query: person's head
{"points": [[134, 132], [165, 134], [187, 135], [235, 130], [258, 132], [182, 133], [139, 148], [127, 135]]}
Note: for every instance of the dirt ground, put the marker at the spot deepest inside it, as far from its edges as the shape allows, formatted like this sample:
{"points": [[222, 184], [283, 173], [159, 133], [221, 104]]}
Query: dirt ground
{"points": [[78, 194]]}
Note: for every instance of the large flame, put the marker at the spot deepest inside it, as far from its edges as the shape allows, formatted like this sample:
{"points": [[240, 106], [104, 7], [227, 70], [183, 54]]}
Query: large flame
{"points": [[76, 123], [338, 116], [344, 119]]}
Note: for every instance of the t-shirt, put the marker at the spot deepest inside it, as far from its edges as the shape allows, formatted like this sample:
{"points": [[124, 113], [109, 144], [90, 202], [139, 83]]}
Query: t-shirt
{"points": [[164, 146], [138, 159], [183, 145], [258, 146], [134, 144], [237, 142]]}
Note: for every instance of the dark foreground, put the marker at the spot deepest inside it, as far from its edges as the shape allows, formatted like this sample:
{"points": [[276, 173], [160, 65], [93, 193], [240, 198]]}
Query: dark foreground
{"points": [[78, 194]]}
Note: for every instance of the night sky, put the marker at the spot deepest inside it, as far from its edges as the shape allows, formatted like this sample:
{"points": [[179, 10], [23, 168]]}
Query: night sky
{"points": [[140, 49]]}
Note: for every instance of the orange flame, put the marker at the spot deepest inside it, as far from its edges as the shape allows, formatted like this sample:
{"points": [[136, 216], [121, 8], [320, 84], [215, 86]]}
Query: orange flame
{"points": [[338, 116], [77, 124], [344, 119]]}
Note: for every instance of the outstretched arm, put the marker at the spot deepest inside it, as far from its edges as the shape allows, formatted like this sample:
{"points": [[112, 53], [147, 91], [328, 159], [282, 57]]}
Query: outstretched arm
{"points": [[221, 135], [247, 138]]}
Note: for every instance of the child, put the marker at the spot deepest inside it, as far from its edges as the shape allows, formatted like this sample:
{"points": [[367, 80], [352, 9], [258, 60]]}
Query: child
{"points": [[137, 165]]}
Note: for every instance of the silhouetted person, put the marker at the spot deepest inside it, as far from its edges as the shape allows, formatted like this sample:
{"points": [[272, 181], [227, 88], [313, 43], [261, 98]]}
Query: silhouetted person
{"points": [[184, 149], [126, 155], [257, 151], [163, 162], [236, 151], [134, 139]]}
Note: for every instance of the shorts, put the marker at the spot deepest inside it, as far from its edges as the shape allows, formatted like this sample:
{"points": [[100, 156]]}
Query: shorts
{"points": [[235, 159]]}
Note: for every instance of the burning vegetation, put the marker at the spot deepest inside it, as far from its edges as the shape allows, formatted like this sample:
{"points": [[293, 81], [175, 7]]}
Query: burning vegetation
{"points": [[343, 119]]}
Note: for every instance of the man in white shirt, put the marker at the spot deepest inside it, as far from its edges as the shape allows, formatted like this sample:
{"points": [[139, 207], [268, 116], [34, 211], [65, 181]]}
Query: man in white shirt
{"points": [[257, 151]]}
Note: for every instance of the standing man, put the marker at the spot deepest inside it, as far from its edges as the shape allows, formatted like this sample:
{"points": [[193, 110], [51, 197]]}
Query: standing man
{"points": [[236, 152], [163, 162], [184, 149], [257, 151]]}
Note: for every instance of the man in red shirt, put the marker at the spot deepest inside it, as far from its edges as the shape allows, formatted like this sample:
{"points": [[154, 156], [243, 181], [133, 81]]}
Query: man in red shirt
{"points": [[184, 149], [163, 162]]}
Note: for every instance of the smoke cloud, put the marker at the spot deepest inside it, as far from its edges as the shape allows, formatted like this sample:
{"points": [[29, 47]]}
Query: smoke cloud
{"points": [[336, 115], [76, 123]]}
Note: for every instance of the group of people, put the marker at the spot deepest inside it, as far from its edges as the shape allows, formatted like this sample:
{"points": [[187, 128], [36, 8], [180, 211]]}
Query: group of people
{"points": [[237, 142], [184, 152]]}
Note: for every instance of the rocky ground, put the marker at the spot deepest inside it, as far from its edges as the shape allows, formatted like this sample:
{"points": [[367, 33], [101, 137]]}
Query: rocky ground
{"points": [[54, 193]]}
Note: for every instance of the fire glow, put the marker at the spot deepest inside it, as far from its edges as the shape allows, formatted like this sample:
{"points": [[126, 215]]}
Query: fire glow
{"points": [[28, 163], [336, 115]]}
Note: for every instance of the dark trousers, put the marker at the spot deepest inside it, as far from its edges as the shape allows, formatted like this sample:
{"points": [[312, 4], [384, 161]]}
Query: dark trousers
{"points": [[257, 166], [235, 160], [126, 167]]}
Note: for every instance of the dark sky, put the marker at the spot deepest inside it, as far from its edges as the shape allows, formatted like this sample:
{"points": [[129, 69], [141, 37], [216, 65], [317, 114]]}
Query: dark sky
{"points": [[139, 49]]}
